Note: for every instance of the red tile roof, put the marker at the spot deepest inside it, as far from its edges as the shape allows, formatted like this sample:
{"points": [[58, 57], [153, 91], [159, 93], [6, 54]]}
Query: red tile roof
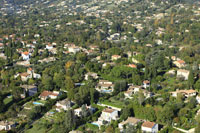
{"points": [[148, 124], [26, 53]]}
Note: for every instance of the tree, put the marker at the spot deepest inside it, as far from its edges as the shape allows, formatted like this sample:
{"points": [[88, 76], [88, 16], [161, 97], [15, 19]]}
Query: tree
{"points": [[140, 97], [197, 85], [130, 129], [191, 79], [110, 129], [85, 111], [1, 103], [69, 84], [120, 86], [70, 120], [125, 113], [197, 129], [47, 82]]}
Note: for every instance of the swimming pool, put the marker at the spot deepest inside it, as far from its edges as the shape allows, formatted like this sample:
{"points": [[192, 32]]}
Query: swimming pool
{"points": [[106, 91], [96, 124], [37, 103]]}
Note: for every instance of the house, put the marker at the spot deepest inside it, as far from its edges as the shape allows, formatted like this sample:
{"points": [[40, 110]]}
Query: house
{"points": [[132, 66], [132, 90], [115, 57], [130, 121], [26, 55], [30, 89], [23, 63], [78, 111], [149, 45], [172, 72], [25, 76], [48, 94], [146, 84], [180, 63], [53, 50], [94, 47], [1, 45], [63, 105], [198, 99], [49, 46], [105, 86], [108, 63], [128, 93], [75, 132], [150, 127], [74, 49], [91, 74], [2, 55], [183, 73], [47, 60], [5, 125], [186, 93], [108, 115]]}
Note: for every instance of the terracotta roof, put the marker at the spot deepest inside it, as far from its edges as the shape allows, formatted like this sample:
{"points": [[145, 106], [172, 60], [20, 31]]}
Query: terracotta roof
{"points": [[47, 93], [181, 61], [25, 74], [148, 124], [146, 81], [26, 53], [132, 66], [30, 69], [116, 56], [107, 110]]}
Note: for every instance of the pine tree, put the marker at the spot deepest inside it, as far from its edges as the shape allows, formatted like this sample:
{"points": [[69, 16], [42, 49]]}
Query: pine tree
{"points": [[191, 79]]}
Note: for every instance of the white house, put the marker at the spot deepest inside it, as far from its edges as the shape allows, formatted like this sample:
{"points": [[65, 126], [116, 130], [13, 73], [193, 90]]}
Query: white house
{"points": [[63, 105], [180, 63], [25, 76], [108, 115], [73, 49], [26, 55], [48, 94], [49, 46], [183, 73], [105, 86], [115, 57], [198, 99], [186, 93], [132, 90], [91, 74], [146, 84], [78, 111], [150, 127], [5, 125]]}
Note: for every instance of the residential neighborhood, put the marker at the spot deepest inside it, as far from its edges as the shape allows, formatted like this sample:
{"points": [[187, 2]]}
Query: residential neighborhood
{"points": [[109, 66]]}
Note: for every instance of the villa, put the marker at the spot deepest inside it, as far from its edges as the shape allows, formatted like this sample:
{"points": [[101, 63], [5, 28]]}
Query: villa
{"points": [[48, 94], [149, 127], [105, 86]]}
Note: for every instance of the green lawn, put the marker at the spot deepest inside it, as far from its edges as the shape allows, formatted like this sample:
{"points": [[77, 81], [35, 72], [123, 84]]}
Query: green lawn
{"points": [[7, 100], [113, 103], [92, 127], [37, 128]]}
